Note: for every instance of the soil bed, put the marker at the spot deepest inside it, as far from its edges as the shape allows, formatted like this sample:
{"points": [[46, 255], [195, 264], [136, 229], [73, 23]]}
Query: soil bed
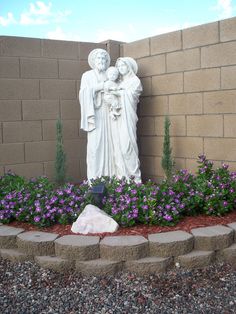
{"points": [[186, 224]]}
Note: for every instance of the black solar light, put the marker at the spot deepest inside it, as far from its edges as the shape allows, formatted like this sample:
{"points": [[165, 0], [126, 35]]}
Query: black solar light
{"points": [[98, 191]]}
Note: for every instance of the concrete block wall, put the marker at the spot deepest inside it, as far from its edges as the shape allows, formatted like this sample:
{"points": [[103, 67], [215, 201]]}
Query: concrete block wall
{"points": [[191, 76], [188, 74], [39, 82]]}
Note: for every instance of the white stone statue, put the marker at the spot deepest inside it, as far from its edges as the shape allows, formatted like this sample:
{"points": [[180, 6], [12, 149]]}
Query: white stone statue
{"points": [[108, 114], [124, 129], [95, 116], [111, 97]]}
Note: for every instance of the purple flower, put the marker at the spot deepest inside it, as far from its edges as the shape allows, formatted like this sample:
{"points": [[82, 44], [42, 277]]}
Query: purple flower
{"points": [[168, 217], [225, 203], [168, 206], [134, 192], [119, 189], [37, 218], [225, 166]]}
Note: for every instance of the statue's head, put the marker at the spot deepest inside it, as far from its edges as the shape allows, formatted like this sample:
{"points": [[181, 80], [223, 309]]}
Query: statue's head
{"points": [[112, 73], [127, 65], [99, 59]]}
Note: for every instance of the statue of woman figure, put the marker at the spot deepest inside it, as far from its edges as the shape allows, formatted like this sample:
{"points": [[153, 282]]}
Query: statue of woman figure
{"points": [[95, 118], [124, 129]]}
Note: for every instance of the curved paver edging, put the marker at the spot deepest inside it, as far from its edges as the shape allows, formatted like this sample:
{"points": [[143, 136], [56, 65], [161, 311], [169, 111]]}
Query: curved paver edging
{"points": [[89, 255]]}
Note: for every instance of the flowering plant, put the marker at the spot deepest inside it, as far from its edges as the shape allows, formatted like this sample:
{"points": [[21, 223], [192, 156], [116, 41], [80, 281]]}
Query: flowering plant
{"points": [[38, 201]]}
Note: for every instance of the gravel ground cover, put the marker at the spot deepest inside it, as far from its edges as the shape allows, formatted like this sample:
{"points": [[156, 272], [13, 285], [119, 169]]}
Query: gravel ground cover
{"points": [[26, 288]]}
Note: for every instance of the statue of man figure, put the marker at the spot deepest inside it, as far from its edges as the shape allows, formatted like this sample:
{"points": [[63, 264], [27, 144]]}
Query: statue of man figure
{"points": [[95, 116]]}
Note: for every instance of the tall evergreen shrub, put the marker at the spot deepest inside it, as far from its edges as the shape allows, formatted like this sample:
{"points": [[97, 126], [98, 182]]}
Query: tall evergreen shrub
{"points": [[167, 162], [60, 163]]}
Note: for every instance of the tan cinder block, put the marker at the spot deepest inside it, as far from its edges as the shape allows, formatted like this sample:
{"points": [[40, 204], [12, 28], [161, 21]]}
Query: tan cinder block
{"points": [[227, 29], [27, 170], [71, 69], [73, 169], [151, 146], [220, 148], [179, 163], [70, 109], [113, 48], [1, 140], [218, 55], [83, 169], [200, 35], [202, 80], [70, 129], [40, 109], [158, 170], [205, 125], [38, 68], [75, 148], [54, 89], [220, 102], [19, 46], [19, 89], [230, 125], [147, 86], [1, 171], [49, 169], [9, 67], [59, 49], [192, 165], [147, 165], [151, 66], [153, 106], [167, 84], [10, 110], [166, 42], [22, 131], [183, 60], [49, 130], [137, 49], [232, 165], [185, 103], [187, 147], [40, 151], [11, 153], [228, 75], [146, 126], [177, 127], [86, 48]]}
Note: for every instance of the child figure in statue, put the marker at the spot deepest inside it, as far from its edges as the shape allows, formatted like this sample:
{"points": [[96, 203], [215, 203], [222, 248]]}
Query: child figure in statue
{"points": [[111, 94]]}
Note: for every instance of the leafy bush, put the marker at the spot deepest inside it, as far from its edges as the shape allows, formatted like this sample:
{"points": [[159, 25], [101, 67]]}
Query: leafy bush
{"points": [[39, 202]]}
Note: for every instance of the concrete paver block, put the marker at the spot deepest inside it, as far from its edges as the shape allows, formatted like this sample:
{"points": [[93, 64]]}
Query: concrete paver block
{"points": [[212, 238], [14, 255], [8, 236], [233, 226], [228, 254], [55, 263], [77, 247], [149, 265], [171, 243], [122, 248], [98, 267], [196, 259], [37, 243]]}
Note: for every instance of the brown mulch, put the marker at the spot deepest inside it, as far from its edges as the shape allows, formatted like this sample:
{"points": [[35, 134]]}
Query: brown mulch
{"points": [[186, 224]]}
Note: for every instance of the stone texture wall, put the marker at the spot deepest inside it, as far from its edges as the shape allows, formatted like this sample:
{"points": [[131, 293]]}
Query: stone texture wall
{"points": [[191, 76], [188, 74], [39, 82]]}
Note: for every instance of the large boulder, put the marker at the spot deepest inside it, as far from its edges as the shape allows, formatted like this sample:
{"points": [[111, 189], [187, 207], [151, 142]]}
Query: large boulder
{"points": [[94, 220]]}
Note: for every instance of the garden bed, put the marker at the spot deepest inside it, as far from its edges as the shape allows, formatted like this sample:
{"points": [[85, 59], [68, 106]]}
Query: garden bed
{"points": [[186, 224]]}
